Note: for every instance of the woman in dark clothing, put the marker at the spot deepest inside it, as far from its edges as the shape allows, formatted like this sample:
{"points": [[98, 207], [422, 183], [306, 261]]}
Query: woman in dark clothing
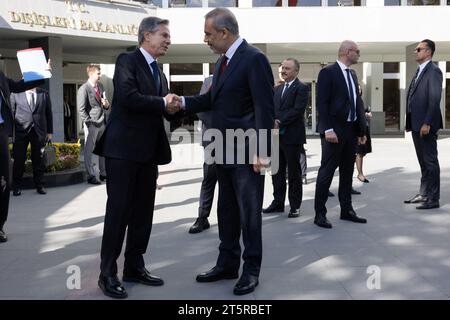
{"points": [[363, 149]]}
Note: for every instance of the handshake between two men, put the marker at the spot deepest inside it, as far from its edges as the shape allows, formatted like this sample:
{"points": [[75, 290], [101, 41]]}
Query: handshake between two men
{"points": [[173, 103]]}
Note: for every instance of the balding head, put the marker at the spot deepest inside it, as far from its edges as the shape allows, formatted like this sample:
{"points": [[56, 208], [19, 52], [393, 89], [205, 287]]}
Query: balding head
{"points": [[348, 52]]}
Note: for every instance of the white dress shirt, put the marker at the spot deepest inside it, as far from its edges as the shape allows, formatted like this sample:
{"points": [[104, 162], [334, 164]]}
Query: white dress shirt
{"points": [[148, 57], [421, 67], [30, 93]]}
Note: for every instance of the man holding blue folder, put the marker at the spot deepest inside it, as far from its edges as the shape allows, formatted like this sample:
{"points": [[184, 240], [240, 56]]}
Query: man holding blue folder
{"points": [[7, 130]]}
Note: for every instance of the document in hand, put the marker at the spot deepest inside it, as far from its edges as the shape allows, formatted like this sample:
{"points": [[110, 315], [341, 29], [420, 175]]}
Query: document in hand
{"points": [[32, 64]]}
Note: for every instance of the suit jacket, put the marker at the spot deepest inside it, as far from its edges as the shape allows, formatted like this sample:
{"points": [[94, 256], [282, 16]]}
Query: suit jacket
{"points": [[7, 86], [205, 117], [240, 98], [89, 105], [424, 101], [135, 130], [333, 101], [25, 118], [290, 110]]}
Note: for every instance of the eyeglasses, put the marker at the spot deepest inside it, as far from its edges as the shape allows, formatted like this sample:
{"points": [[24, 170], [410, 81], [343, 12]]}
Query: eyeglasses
{"points": [[420, 49], [356, 50]]}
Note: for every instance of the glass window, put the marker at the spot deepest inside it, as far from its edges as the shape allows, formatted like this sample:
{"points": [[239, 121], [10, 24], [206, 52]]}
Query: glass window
{"points": [[391, 104], [447, 104], [266, 3], [157, 3], [391, 67], [447, 65], [186, 68], [392, 2], [424, 2], [344, 3], [185, 3], [222, 3], [305, 3], [185, 89]]}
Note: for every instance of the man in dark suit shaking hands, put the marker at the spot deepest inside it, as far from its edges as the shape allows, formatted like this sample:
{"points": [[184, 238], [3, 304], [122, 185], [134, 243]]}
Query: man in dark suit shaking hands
{"points": [[424, 119], [240, 100], [341, 126], [134, 144], [290, 101]]}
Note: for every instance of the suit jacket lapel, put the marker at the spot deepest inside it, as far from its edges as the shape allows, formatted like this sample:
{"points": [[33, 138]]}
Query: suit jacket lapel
{"points": [[142, 63], [416, 84], [37, 103], [235, 60], [288, 91], [343, 81]]}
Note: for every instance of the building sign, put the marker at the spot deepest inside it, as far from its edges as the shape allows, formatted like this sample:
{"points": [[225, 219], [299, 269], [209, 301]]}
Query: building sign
{"points": [[70, 22]]}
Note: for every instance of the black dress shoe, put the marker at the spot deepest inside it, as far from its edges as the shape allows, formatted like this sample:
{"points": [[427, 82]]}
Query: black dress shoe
{"points": [[41, 190], [142, 276], [416, 199], [93, 180], [323, 222], [294, 213], [199, 225], [112, 287], [102, 178], [3, 237], [355, 191], [429, 205], [216, 274], [330, 194], [274, 207], [245, 285], [351, 216], [17, 192]]}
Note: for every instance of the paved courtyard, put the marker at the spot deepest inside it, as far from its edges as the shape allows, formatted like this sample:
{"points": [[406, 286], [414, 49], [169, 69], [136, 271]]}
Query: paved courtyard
{"points": [[52, 235]]}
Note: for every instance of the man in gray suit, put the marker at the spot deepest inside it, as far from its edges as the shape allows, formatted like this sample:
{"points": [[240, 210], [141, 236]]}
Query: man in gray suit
{"points": [[424, 119], [92, 104], [209, 172]]}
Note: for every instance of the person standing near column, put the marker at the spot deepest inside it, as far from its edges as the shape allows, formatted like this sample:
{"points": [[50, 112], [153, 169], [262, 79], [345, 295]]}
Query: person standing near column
{"points": [[424, 119], [34, 126], [92, 105]]}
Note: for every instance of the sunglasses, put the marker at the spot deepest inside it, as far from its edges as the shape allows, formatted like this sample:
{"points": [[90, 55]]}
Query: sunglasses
{"points": [[420, 49]]}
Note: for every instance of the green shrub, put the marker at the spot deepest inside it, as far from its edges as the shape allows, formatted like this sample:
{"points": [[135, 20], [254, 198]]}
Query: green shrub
{"points": [[67, 157]]}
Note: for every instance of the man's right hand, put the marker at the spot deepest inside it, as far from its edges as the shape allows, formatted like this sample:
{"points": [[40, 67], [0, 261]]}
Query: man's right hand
{"points": [[331, 137], [173, 103]]}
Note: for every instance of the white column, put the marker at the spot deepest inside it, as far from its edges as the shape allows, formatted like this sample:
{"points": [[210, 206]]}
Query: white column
{"points": [[443, 67], [244, 3], [166, 70], [373, 78], [205, 70]]}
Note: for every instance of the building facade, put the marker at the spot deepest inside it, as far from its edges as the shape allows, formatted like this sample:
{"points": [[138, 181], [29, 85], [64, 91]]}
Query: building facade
{"points": [[76, 33]]}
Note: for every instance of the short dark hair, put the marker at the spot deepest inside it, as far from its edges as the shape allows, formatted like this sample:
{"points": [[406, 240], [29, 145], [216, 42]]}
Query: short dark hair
{"points": [[223, 18], [150, 24], [430, 45]]}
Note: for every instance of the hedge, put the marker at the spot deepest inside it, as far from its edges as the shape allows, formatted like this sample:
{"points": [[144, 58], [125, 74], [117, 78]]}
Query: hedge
{"points": [[67, 157]]}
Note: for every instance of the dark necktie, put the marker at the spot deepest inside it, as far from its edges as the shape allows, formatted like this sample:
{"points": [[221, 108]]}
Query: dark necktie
{"points": [[154, 66], [223, 65], [286, 87], [352, 96], [32, 103], [411, 89]]}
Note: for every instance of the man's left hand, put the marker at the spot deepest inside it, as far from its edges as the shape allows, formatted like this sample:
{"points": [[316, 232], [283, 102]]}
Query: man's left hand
{"points": [[260, 163], [48, 67], [362, 140], [424, 130]]}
